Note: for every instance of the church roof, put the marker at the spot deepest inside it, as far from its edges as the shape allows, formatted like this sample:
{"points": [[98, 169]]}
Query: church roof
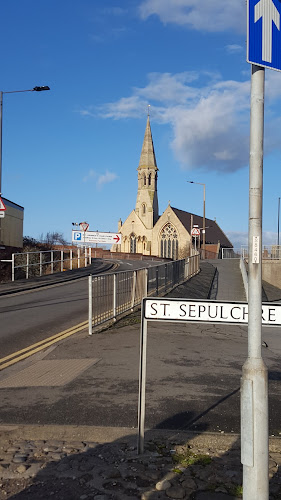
{"points": [[213, 232], [147, 158]]}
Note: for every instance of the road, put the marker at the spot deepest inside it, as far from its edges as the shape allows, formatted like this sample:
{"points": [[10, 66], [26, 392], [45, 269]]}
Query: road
{"points": [[27, 317]]}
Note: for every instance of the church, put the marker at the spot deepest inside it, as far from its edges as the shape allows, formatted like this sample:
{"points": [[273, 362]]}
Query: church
{"points": [[167, 235]]}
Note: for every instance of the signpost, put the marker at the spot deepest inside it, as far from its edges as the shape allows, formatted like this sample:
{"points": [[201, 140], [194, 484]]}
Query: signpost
{"points": [[263, 51], [194, 311], [96, 237]]}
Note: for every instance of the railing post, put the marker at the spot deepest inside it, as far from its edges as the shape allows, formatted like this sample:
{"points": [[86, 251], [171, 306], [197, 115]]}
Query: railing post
{"points": [[165, 277], [85, 256], [78, 257], [52, 262], [71, 258], [145, 292], [13, 267], [90, 282], [27, 264], [61, 261], [134, 290], [114, 296], [157, 277], [40, 260]]}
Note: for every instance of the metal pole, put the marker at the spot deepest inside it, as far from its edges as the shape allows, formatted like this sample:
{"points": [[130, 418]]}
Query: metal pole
{"points": [[13, 267], [254, 383], [142, 382], [40, 263], [1, 122], [90, 281], [278, 224], [114, 296], [204, 221]]}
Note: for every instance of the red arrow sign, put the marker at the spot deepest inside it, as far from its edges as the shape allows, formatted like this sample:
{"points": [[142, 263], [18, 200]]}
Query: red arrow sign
{"points": [[116, 238]]}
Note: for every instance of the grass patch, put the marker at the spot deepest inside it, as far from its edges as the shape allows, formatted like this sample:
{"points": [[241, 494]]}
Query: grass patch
{"points": [[187, 458]]}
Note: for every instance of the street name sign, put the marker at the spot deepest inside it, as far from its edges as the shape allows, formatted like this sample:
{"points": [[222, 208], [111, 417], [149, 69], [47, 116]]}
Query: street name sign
{"points": [[96, 237], [263, 33], [209, 311]]}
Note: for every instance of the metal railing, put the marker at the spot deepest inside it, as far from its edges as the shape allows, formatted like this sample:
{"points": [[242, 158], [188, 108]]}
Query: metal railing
{"points": [[269, 252], [114, 294], [32, 264]]}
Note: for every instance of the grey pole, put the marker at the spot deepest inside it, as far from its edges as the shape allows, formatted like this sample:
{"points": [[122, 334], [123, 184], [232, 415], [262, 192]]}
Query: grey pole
{"points": [[254, 383], [278, 226]]}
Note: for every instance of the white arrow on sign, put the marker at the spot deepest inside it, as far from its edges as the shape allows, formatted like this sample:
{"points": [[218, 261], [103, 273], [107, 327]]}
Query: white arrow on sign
{"points": [[266, 10]]}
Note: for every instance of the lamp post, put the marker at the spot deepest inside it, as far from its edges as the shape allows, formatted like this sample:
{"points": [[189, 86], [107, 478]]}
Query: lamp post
{"points": [[204, 219], [35, 89]]}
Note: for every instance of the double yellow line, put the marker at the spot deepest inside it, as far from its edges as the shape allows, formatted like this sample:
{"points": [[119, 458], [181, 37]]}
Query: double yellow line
{"points": [[15, 357]]}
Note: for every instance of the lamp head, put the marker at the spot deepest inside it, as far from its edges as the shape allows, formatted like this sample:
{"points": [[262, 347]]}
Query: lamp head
{"points": [[39, 89]]}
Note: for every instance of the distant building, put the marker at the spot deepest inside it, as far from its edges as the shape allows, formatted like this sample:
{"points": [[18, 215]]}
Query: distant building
{"points": [[11, 233], [168, 235]]}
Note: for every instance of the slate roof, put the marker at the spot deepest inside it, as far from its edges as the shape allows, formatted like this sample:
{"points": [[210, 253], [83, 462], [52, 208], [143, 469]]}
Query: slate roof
{"points": [[213, 232]]}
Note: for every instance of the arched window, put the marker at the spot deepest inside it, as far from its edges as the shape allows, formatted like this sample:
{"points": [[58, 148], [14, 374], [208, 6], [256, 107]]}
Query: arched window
{"points": [[149, 180], [133, 243], [143, 209], [169, 245], [144, 179]]}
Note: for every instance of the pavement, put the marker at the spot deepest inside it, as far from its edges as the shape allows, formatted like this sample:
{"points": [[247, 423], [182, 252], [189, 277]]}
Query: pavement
{"points": [[69, 414]]}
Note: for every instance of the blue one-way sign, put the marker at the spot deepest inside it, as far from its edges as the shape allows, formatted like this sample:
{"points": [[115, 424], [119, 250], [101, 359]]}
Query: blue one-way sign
{"points": [[264, 35]]}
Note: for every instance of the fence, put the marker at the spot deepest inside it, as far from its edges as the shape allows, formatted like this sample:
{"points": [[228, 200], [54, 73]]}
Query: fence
{"points": [[31, 264], [269, 252], [114, 294]]}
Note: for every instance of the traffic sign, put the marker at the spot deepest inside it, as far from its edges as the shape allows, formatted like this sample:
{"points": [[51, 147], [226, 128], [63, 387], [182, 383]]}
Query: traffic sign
{"points": [[264, 35], [84, 226], [195, 231], [2, 205], [96, 237]]}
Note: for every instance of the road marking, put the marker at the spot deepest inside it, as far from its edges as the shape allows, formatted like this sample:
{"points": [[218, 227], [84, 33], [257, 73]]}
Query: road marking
{"points": [[15, 357]]}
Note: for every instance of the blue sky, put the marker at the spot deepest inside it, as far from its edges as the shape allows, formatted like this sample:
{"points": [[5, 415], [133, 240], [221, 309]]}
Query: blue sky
{"points": [[71, 154]]}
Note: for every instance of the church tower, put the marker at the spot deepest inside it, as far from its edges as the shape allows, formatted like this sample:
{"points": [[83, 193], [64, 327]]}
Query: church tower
{"points": [[147, 199]]}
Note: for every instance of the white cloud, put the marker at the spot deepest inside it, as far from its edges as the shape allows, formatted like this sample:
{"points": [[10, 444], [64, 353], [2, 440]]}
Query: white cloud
{"points": [[208, 15], [106, 178], [90, 175], [234, 48], [100, 179], [209, 117], [240, 238], [209, 120]]}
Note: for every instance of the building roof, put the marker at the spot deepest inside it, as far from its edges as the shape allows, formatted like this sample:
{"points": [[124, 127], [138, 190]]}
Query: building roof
{"points": [[147, 158], [213, 232]]}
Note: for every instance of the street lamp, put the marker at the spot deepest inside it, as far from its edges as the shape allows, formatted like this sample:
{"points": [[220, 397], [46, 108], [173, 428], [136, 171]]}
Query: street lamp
{"points": [[35, 89], [204, 219]]}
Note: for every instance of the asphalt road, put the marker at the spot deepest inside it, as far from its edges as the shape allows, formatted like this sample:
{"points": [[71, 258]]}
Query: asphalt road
{"points": [[29, 316]]}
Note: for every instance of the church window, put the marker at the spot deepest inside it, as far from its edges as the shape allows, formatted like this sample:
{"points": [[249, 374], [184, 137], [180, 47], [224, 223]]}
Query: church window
{"points": [[169, 244], [144, 180], [143, 209], [133, 243], [149, 180]]}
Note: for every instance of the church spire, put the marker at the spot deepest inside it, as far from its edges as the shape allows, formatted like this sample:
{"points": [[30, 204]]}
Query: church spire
{"points": [[147, 158], [147, 200]]}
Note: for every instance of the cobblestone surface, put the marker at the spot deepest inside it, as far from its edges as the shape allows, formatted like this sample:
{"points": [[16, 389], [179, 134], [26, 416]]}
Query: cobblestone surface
{"points": [[39, 469]]}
